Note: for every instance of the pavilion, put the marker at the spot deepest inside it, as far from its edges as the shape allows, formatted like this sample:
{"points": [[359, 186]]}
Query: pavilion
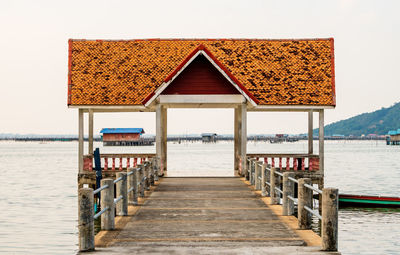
{"points": [[244, 74]]}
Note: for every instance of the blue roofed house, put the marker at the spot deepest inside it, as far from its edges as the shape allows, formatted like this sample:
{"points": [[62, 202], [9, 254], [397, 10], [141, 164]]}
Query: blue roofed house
{"points": [[393, 137], [124, 137]]}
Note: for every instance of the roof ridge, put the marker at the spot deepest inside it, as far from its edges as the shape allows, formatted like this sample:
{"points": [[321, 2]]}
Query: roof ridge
{"points": [[202, 39]]}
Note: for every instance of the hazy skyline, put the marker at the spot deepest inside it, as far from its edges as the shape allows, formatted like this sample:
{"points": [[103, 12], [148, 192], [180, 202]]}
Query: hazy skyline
{"points": [[34, 55]]}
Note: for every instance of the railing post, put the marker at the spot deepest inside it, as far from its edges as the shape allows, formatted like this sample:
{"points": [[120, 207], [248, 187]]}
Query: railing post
{"points": [[132, 196], [329, 229], [256, 175], [304, 199], [122, 206], [288, 190], [147, 174], [153, 170], [156, 167], [85, 220], [272, 191], [247, 170], [141, 177], [251, 174], [263, 185], [107, 200]]}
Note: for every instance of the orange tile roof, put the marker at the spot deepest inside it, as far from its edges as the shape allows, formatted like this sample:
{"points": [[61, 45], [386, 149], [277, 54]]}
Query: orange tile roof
{"points": [[272, 72]]}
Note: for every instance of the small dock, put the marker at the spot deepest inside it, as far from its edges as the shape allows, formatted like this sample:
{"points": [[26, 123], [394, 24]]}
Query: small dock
{"points": [[206, 216]]}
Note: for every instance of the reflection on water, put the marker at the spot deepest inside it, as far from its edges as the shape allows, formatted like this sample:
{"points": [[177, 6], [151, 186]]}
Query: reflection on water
{"points": [[38, 190]]}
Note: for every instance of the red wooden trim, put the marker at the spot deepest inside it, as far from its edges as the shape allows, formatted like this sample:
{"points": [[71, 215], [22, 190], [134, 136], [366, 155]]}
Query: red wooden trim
{"points": [[220, 65], [230, 75], [333, 70], [69, 71], [148, 97], [177, 69]]}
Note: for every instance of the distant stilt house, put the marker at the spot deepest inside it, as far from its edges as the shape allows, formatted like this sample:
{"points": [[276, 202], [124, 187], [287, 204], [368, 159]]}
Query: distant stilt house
{"points": [[209, 137], [393, 137], [124, 137]]}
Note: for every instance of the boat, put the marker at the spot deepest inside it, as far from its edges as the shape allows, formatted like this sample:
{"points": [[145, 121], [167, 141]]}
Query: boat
{"points": [[347, 200]]}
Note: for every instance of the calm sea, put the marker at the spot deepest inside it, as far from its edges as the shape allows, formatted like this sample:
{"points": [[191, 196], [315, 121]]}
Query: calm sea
{"points": [[38, 205]]}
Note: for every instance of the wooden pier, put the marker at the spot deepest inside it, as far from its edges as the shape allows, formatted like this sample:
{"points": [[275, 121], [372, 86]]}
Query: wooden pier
{"points": [[207, 214], [204, 216]]}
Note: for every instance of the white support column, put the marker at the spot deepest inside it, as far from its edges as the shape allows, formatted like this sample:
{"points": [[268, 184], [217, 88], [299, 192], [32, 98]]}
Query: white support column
{"points": [[80, 140], [158, 135], [236, 140], [310, 132], [90, 142], [161, 136], [321, 141], [243, 135], [164, 125]]}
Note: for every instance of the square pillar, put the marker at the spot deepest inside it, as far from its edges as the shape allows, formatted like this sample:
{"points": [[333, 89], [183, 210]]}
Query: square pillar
{"points": [[161, 136], [243, 136], [164, 138], [90, 138], [80, 140], [310, 132], [236, 139], [321, 141]]}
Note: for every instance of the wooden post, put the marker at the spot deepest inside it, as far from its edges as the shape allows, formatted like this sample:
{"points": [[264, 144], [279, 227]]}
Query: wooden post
{"points": [[236, 140], [122, 206], [90, 138], [107, 200], [132, 199], [329, 229], [288, 190], [251, 173], [272, 190], [80, 139], [321, 141], [85, 220], [304, 199], [137, 183], [243, 134], [147, 174], [257, 175], [152, 179], [310, 132], [263, 185], [156, 167], [141, 182], [248, 165]]}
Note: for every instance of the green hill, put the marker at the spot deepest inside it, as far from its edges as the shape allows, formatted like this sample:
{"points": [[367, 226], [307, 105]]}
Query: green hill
{"points": [[378, 122]]}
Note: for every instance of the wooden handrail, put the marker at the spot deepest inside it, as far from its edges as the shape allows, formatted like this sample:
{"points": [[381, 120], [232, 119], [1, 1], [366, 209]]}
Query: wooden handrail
{"points": [[123, 155], [281, 155]]}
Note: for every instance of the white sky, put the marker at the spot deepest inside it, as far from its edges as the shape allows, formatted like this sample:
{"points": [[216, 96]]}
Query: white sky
{"points": [[34, 38]]}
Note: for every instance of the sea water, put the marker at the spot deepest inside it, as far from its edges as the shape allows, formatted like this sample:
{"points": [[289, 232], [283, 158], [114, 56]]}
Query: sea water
{"points": [[38, 189]]}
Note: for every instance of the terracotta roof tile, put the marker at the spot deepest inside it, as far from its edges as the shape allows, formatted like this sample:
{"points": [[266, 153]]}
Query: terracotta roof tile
{"points": [[275, 72]]}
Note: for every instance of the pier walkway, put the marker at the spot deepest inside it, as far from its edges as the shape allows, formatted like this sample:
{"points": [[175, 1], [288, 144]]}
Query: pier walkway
{"points": [[206, 216]]}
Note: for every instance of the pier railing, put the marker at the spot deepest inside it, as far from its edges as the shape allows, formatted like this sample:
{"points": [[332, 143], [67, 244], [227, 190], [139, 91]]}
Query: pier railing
{"points": [[280, 187], [129, 186], [116, 161], [289, 161]]}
